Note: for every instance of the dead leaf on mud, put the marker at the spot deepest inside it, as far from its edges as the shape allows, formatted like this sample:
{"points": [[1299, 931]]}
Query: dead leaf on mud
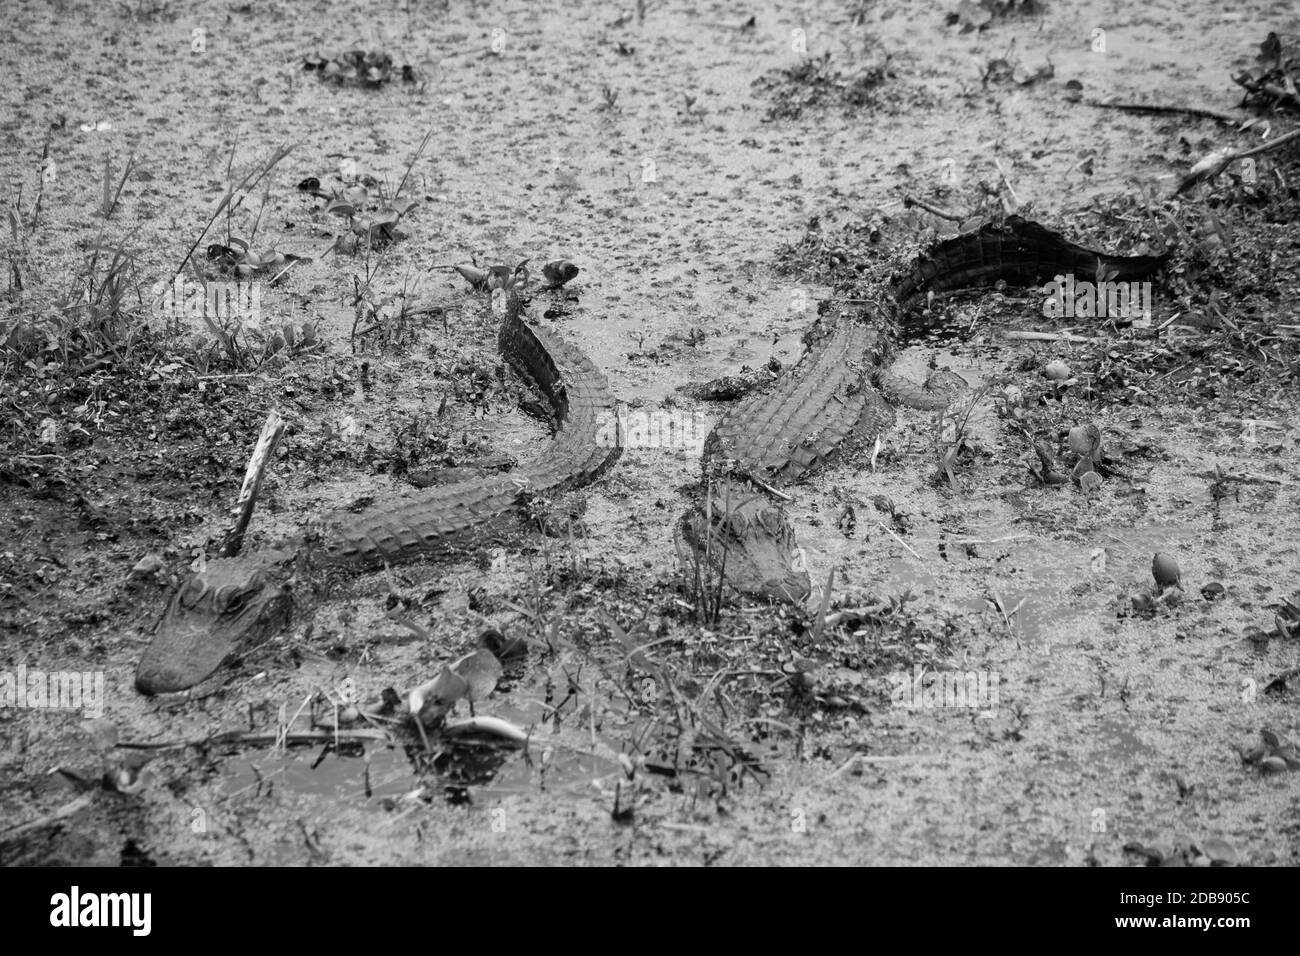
{"points": [[431, 701], [1271, 755], [481, 670], [1184, 851], [1023, 76], [1287, 619], [103, 733], [504, 648], [1273, 84], [493, 726], [149, 565], [473, 677]]}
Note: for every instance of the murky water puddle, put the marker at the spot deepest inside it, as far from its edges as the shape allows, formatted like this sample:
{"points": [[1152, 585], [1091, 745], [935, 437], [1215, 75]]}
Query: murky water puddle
{"points": [[1040, 611], [1045, 600], [347, 775], [374, 776]]}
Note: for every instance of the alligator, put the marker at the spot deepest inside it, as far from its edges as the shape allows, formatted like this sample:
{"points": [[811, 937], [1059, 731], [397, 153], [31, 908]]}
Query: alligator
{"points": [[840, 398], [234, 603]]}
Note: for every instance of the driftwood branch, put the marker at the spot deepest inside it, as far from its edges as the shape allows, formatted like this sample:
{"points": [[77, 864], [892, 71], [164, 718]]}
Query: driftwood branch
{"points": [[1267, 89], [1214, 164], [1019, 336], [257, 463], [67, 810], [260, 739], [1199, 112], [934, 210]]}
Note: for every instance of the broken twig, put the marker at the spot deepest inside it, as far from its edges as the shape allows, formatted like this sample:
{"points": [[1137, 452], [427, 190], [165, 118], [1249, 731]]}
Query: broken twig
{"points": [[243, 512]]}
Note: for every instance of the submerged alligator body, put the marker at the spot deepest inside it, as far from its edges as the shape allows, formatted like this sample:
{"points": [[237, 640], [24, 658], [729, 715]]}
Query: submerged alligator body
{"points": [[235, 602], [838, 398]]}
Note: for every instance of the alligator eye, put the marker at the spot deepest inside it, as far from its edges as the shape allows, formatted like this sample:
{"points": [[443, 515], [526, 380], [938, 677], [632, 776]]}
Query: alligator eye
{"points": [[771, 521], [230, 600], [192, 592]]}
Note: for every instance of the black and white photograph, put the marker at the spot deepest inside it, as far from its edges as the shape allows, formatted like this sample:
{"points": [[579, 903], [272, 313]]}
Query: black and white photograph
{"points": [[480, 433]]}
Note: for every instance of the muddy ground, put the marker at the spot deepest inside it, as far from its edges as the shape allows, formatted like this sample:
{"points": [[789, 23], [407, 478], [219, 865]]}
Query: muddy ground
{"points": [[708, 215]]}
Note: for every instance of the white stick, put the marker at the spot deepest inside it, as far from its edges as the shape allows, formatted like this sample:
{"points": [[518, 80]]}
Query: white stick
{"points": [[1046, 337], [256, 471]]}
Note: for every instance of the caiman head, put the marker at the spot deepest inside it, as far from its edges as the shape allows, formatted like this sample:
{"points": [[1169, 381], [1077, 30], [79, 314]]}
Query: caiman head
{"points": [[232, 605], [753, 546]]}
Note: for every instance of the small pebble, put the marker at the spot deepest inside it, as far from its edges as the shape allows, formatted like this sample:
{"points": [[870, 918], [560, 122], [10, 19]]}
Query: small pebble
{"points": [[1165, 570], [149, 564]]}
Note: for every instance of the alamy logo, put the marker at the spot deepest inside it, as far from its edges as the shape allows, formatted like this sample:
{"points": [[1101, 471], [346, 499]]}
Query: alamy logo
{"points": [[219, 301], [934, 689], [652, 428], [102, 909], [56, 690], [1068, 299]]}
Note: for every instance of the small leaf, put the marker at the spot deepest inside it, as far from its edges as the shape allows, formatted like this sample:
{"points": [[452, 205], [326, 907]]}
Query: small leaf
{"points": [[475, 277], [103, 733], [481, 671], [1221, 852], [431, 700]]}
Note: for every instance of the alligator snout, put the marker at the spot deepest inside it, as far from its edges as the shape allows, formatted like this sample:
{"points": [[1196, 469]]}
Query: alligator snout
{"points": [[217, 615], [752, 543], [792, 589]]}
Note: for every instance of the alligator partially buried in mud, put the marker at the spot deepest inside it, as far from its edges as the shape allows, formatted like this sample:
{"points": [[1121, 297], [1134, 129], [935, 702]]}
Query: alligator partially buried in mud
{"points": [[235, 602], [838, 399]]}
